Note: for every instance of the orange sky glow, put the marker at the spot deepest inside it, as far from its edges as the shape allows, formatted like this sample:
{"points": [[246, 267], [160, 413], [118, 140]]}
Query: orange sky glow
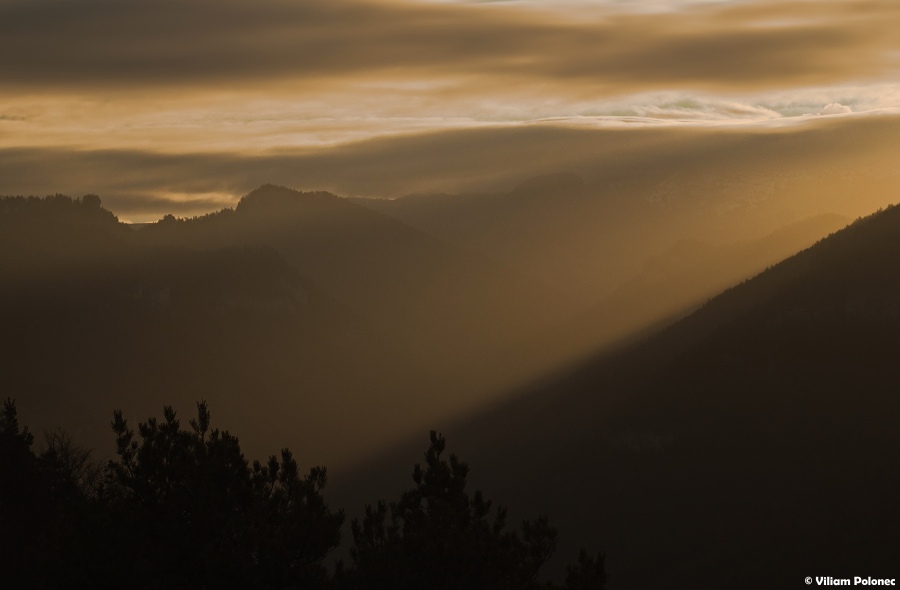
{"points": [[119, 87]]}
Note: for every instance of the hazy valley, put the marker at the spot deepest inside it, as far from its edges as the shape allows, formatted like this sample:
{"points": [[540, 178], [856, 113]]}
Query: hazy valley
{"points": [[626, 272], [311, 320]]}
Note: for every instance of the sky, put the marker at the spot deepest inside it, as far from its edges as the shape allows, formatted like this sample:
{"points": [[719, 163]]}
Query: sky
{"points": [[117, 98]]}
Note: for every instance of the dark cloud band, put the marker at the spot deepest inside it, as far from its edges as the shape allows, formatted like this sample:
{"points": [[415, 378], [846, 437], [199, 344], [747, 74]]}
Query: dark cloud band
{"points": [[90, 43]]}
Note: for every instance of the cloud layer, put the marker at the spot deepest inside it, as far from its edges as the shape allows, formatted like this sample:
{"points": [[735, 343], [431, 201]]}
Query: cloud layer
{"points": [[132, 84], [108, 43]]}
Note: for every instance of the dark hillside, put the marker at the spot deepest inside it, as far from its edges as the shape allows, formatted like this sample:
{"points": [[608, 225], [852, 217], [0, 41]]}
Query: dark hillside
{"points": [[750, 445], [453, 310], [94, 319], [303, 306], [677, 282]]}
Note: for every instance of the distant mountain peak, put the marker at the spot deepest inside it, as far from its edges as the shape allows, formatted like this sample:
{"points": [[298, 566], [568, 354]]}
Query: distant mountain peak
{"points": [[550, 182]]}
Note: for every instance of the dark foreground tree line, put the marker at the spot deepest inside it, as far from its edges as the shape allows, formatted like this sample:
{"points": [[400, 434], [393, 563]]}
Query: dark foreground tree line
{"points": [[183, 508]]}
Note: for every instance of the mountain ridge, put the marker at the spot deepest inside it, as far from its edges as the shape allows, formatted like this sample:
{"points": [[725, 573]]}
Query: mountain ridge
{"points": [[754, 440]]}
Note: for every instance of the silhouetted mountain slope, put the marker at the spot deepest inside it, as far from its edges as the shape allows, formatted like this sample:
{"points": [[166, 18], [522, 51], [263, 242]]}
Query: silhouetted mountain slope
{"points": [[37, 232], [303, 304], [750, 445], [678, 280], [95, 319], [452, 309]]}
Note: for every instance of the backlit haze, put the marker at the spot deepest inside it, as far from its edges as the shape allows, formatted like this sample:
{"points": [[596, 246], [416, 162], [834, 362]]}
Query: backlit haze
{"points": [[636, 259], [184, 106]]}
